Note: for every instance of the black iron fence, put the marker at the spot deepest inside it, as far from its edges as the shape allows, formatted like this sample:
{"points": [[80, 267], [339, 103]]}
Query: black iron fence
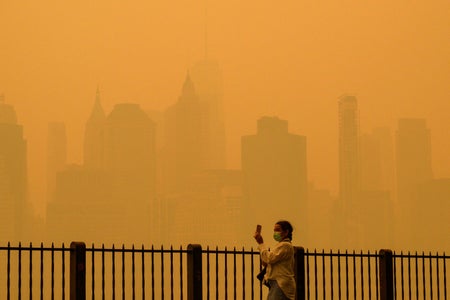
{"points": [[80, 272]]}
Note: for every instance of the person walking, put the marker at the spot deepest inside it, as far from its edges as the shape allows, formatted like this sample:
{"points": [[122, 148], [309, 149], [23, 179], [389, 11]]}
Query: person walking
{"points": [[279, 262]]}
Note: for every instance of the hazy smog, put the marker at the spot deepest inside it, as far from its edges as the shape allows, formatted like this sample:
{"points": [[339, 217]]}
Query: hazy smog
{"points": [[177, 122]]}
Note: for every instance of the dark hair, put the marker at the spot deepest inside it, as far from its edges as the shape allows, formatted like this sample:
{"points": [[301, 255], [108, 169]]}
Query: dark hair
{"points": [[286, 226]]}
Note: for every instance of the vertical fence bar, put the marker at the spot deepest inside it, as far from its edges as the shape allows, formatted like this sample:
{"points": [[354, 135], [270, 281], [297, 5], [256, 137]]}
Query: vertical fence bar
{"points": [[308, 294], [243, 273], [162, 273], [217, 272], [77, 271], [19, 283], [194, 260], [93, 272], [143, 272], [315, 274], [133, 282], [346, 275], [323, 275], [234, 272], [153, 272], [386, 275], [103, 271], [361, 261], [113, 271], [8, 272], [300, 272], [30, 282], [402, 277], [431, 276], [42, 272], [369, 275], [208, 277], [171, 272], [339, 274], [53, 273], [437, 275], [63, 279], [409, 275], [331, 274], [445, 277], [423, 276], [417, 275], [123, 272], [226, 273], [181, 273]]}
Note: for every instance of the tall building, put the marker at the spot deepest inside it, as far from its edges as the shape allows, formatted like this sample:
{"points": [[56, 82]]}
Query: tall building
{"points": [[413, 157], [93, 136], [413, 168], [13, 175], [376, 194], [349, 166], [130, 158], [186, 139], [275, 176], [207, 78], [56, 154]]}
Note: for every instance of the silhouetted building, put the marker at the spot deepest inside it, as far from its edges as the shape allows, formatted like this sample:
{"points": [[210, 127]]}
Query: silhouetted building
{"points": [[413, 157], [413, 162], [376, 200], [208, 211], [113, 199], [349, 166], [13, 175], [56, 154], [275, 176], [130, 158], [207, 78], [186, 139], [431, 214], [93, 136]]}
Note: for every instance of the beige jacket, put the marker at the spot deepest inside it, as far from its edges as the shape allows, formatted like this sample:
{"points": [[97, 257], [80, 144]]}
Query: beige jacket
{"points": [[280, 265]]}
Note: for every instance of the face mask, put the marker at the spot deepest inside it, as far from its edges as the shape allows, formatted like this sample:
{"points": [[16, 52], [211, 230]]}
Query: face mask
{"points": [[277, 236]]}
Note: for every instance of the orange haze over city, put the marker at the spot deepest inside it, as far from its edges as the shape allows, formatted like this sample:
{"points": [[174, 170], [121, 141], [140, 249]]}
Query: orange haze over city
{"points": [[289, 59]]}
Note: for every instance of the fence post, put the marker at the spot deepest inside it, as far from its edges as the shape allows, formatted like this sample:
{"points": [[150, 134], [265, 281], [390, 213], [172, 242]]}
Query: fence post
{"points": [[194, 269], [300, 272], [386, 275], [77, 271]]}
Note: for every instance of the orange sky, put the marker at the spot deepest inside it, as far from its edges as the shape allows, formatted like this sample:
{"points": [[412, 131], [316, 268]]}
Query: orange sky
{"points": [[292, 59]]}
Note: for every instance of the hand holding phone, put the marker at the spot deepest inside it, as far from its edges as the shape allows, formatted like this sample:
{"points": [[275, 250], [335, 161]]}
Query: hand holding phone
{"points": [[257, 235]]}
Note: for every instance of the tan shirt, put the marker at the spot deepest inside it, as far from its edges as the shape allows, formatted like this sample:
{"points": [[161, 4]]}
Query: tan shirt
{"points": [[280, 265]]}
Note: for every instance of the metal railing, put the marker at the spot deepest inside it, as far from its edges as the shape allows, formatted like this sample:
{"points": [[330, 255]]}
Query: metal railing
{"points": [[81, 272]]}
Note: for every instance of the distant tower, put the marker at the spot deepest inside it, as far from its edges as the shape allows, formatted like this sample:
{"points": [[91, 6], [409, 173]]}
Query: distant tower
{"points": [[56, 154], [208, 81], [93, 136], [275, 175], [413, 156], [186, 138], [130, 158], [413, 162], [349, 163], [13, 174]]}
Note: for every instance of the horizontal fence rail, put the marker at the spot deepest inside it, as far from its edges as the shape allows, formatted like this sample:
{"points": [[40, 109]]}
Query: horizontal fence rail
{"points": [[119, 272]]}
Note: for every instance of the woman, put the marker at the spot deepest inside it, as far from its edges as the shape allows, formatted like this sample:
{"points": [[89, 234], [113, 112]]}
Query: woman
{"points": [[280, 262]]}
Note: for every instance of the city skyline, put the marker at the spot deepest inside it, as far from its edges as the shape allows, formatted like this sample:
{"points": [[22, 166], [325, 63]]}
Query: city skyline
{"points": [[75, 64]]}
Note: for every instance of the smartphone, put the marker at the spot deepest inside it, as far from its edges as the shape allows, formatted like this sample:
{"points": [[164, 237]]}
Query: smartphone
{"points": [[258, 228]]}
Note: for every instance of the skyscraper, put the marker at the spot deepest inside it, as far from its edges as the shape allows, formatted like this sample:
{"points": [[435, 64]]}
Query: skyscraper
{"points": [[275, 176], [413, 162], [413, 157], [349, 166], [186, 139], [56, 154], [207, 78], [93, 136], [13, 174]]}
